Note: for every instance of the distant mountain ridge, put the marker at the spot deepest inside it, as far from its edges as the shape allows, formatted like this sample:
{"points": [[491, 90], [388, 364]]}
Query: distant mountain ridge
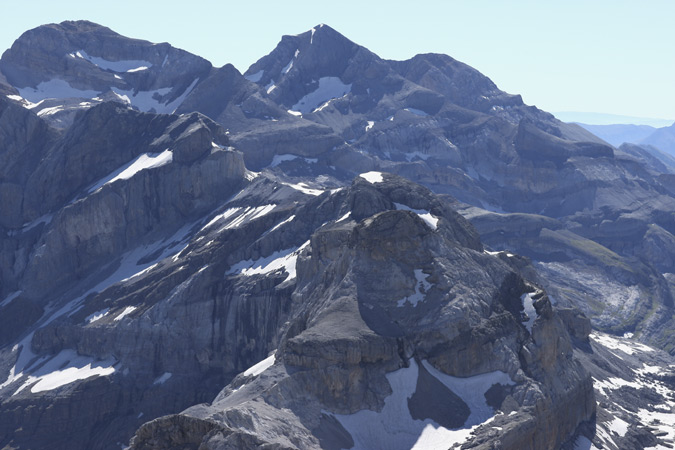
{"points": [[610, 119], [661, 138]]}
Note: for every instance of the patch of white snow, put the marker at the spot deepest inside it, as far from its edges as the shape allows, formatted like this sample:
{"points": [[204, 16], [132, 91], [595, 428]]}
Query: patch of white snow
{"points": [[287, 68], [115, 66], [255, 77], [163, 378], [422, 286], [64, 368], [417, 112], [278, 159], [9, 298], [97, 315], [372, 177], [260, 367], [345, 217], [302, 187], [282, 259], [142, 162], [528, 305], [128, 310], [425, 215], [54, 88], [329, 88], [394, 428]]}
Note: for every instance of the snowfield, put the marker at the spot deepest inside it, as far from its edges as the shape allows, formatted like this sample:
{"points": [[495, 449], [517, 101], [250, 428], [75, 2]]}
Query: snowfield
{"points": [[425, 215], [142, 162], [329, 88], [394, 428], [422, 286], [64, 368], [372, 177], [115, 66]]}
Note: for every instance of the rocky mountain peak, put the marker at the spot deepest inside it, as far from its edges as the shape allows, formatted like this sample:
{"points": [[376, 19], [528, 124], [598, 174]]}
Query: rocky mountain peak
{"points": [[320, 61], [58, 69], [322, 50], [460, 83]]}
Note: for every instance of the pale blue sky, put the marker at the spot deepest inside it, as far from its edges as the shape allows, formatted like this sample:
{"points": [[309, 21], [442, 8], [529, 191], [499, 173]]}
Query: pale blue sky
{"points": [[595, 55]]}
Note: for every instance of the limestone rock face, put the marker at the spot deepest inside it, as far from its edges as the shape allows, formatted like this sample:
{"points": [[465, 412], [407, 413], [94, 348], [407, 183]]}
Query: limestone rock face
{"points": [[383, 291]]}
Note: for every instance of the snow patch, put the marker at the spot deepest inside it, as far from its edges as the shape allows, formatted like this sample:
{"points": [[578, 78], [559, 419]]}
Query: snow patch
{"points": [[228, 213], [329, 88], [16, 98], [345, 217], [255, 77], [287, 68], [422, 286], [370, 125], [281, 224], [614, 383], [278, 159], [618, 426], [416, 154], [50, 111], [64, 368], [249, 215], [9, 298], [372, 177], [54, 88], [148, 101], [138, 69], [123, 98], [472, 390], [47, 218], [417, 112], [322, 107], [615, 344], [424, 214], [394, 428], [138, 274], [282, 259], [294, 113], [528, 305], [91, 318], [260, 367], [128, 310], [163, 378], [115, 66], [302, 187], [663, 421], [142, 162]]}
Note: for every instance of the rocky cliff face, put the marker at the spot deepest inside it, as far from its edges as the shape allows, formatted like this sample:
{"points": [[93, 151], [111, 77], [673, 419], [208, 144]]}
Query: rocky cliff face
{"points": [[392, 304], [442, 124], [322, 301]]}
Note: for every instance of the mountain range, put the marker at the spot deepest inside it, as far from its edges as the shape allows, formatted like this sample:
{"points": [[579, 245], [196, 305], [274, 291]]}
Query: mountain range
{"points": [[656, 140], [330, 250]]}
